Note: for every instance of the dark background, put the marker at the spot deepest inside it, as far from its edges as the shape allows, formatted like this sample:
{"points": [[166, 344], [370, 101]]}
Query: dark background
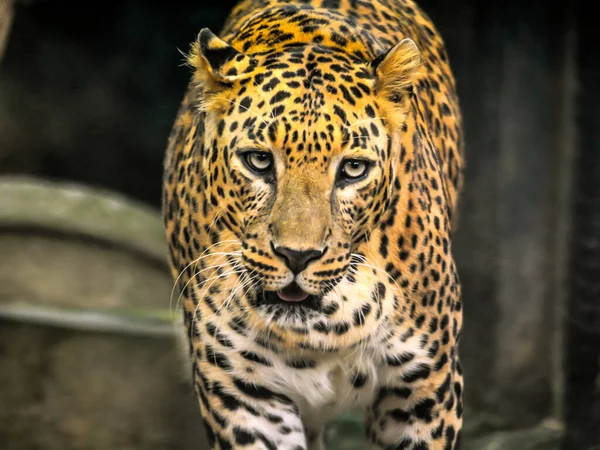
{"points": [[89, 90]]}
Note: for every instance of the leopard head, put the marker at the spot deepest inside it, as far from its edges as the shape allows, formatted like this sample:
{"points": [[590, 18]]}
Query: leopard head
{"points": [[296, 149]]}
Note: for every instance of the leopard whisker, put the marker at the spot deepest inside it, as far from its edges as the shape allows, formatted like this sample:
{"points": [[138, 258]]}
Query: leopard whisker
{"points": [[195, 261], [235, 290], [201, 296], [196, 273], [212, 267], [225, 304]]}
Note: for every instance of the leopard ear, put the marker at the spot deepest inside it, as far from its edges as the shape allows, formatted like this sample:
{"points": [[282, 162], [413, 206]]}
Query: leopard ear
{"points": [[216, 64], [395, 73]]}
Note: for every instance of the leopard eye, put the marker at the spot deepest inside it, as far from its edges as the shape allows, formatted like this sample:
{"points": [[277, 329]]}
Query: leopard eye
{"points": [[259, 162], [354, 169]]}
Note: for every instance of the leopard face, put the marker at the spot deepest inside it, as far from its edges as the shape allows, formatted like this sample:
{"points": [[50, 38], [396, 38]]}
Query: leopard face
{"points": [[300, 147]]}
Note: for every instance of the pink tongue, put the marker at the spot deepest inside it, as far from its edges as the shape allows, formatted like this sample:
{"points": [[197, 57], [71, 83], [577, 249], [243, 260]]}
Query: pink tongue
{"points": [[295, 295]]}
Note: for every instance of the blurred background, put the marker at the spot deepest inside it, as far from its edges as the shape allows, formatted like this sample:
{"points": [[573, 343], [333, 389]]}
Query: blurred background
{"points": [[88, 94]]}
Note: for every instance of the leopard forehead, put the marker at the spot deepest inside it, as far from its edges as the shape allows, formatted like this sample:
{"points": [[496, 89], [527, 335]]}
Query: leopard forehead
{"points": [[310, 79], [302, 66], [305, 106], [283, 25]]}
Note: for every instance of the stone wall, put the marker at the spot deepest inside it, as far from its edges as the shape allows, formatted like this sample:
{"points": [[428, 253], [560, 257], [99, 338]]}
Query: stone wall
{"points": [[89, 354]]}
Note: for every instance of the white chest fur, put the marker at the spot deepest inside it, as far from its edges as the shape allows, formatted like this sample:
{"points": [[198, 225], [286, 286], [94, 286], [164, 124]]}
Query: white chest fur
{"points": [[336, 384]]}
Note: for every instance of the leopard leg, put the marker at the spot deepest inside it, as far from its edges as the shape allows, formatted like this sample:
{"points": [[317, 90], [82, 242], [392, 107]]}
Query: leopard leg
{"points": [[238, 409], [240, 414], [417, 410], [316, 438]]}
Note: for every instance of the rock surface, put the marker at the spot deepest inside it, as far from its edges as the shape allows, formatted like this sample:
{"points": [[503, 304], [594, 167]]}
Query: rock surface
{"points": [[88, 355], [6, 15]]}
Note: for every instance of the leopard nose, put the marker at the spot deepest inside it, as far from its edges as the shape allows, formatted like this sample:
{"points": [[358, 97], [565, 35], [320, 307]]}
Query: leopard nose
{"points": [[297, 260]]}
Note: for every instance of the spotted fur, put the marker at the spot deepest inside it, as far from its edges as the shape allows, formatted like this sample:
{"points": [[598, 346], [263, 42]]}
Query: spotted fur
{"points": [[307, 86]]}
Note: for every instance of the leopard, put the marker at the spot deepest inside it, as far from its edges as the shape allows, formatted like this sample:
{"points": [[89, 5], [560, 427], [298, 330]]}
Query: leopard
{"points": [[310, 195]]}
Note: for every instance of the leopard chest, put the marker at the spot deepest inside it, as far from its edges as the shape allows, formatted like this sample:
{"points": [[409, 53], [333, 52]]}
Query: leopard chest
{"points": [[323, 386]]}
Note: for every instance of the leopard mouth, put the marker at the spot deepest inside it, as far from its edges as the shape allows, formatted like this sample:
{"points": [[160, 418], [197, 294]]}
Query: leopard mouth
{"points": [[292, 295]]}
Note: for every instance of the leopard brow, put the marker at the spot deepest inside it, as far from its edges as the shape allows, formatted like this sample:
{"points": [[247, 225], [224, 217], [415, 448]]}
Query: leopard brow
{"points": [[256, 148]]}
